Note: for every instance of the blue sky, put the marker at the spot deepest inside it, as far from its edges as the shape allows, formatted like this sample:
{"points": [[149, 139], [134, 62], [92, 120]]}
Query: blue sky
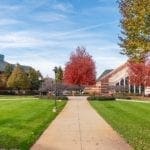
{"points": [[43, 33]]}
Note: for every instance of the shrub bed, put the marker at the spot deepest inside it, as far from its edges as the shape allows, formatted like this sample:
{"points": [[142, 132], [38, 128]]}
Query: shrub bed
{"points": [[101, 98], [123, 97], [62, 98], [53, 97]]}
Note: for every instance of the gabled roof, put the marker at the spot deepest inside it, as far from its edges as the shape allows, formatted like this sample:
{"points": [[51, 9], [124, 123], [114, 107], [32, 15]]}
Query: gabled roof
{"points": [[111, 72], [104, 73], [119, 68]]}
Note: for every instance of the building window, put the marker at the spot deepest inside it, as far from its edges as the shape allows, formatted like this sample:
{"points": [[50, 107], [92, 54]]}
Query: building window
{"points": [[127, 80], [132, 89], [142, 89], [117, 84], [137, 89], [122, 82]]}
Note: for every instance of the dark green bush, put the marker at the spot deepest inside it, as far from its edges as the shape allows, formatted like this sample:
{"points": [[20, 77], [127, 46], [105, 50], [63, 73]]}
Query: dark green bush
{"points": [[6, 92], [123, 97], [101, 98], [62, 98], [20, 92], [53, 97]]}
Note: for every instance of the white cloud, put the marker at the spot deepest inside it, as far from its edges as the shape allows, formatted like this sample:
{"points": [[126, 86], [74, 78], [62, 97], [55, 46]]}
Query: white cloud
{"points": [[36, 39], [51, 29], [64, 7], [18, 39], [45, 65], [9, 8], [103, 10], [49, 17], [49, 49], [9, 22], [72, 33]]}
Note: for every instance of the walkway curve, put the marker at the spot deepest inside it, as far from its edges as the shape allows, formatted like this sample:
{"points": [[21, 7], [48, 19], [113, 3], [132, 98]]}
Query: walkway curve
{"points": [[79, 127]]}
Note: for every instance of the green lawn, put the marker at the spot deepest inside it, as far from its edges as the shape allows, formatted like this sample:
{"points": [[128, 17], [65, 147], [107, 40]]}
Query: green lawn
{"points": [[9, 97], [130, 119], [22, 121]]}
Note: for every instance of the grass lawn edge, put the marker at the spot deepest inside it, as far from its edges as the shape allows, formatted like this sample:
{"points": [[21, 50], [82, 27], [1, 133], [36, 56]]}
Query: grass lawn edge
{"points": [[47, 124], [135, 134], [24, 121]]}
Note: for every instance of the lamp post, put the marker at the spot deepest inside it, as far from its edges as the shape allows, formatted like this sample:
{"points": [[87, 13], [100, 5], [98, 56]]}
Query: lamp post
{"points": [[40, 83], [55, 90], [55, 95]]}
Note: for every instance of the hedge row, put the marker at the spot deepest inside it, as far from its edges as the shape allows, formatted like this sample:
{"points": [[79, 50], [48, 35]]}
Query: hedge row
{"points": [[123, 97], [54, 97], [101, 98]]}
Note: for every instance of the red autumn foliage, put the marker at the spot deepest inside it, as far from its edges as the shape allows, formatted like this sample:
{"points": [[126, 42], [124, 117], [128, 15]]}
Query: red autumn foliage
{"points": [[139, 73], [80, 70]]}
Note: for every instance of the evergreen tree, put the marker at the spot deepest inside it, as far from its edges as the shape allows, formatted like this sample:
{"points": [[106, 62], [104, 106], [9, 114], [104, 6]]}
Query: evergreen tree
{"points": [[135, 23], [3, 81], [34, 78], [8, 69], [18, 79], [58, 74]]}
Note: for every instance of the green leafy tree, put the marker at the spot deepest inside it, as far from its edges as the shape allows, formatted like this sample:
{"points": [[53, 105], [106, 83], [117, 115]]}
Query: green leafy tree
{"points": [[3, 81], [135, 23], [35, 78], [58, 86], [8, 69], [58, 74], [18, 79]]}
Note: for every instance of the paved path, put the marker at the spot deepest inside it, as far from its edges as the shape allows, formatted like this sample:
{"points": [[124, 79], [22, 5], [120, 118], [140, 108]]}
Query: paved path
{"points": [[79, 127]]}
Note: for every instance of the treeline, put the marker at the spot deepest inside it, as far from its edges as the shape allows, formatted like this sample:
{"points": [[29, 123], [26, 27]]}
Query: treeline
{"points": [[18, 78]]}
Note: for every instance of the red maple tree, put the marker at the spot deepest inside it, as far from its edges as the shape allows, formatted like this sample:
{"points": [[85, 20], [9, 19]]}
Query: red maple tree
{"points": [[139, 73], [80, 69]]}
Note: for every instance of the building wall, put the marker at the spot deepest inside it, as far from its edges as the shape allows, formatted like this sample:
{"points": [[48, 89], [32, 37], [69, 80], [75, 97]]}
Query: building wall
{"points": [[92, 90], [120, 79], [118, 76], [104, 86]]}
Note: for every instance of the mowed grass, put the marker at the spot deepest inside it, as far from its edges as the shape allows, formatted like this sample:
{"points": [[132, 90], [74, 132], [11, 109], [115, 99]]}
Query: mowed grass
{"points": [[130, 119], [10, 97], [23, 121]]}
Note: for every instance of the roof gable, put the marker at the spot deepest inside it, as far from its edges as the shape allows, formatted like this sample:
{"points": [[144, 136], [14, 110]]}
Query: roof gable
{"points": [[104, 74], [107, 74]]}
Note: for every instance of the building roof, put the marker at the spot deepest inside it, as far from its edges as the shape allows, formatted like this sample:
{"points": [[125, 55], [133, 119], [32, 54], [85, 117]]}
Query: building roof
{"points": [[3, 64], [119, 68], [111, 72], [1, 57], [104, 74]]}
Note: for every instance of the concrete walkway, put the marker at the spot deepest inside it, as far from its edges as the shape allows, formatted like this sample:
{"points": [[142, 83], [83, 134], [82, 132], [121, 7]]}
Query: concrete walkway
{"points": [[79, 127]]}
